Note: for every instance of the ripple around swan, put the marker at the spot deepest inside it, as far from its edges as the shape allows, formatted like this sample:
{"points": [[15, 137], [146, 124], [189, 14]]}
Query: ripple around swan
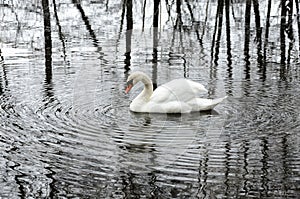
{"points": [[97, 136]]}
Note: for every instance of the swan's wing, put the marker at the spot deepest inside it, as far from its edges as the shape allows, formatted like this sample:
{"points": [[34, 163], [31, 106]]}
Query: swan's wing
{"points": [[182, 90], [161, 95], [201, 104], [196, 87]]}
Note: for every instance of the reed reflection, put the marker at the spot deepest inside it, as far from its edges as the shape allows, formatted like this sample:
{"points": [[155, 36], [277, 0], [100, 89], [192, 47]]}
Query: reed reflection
{"points": [[217, 32], [258, 33], [265, 167], [129, 29], [282, 39], [47, 38], [4, 73], [155, 42], [60, 33], [247, 38]]}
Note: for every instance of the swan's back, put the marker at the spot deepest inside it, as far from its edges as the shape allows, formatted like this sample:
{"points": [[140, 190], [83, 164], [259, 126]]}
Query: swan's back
{"points": [[182, 90]]}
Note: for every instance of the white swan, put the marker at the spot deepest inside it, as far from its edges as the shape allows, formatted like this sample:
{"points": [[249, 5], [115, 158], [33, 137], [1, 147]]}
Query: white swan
{"points": [[176, 96]]}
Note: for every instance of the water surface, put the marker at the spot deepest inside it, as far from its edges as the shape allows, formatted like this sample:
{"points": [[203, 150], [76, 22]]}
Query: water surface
{"points": [[66, 130]]}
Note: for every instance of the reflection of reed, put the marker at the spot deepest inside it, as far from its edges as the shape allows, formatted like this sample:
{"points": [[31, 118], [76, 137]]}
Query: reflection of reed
{"points": [[4, 76], [60, 34], [289, 29], [86, 22], [178, 12], [282, 38], [144, 14], [155, 26], [48, 41], [203, 176], [267, 28], [227, 168], [155, 42], [298, 23], [258, 31], [245, 147], [265, 167], [129, 30], [194, 22], [217, 31], [228, 41], [247, 38], [205, 20]]}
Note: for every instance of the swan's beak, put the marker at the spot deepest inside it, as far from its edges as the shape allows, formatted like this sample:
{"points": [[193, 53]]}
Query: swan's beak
{"points": [[129, 86]]}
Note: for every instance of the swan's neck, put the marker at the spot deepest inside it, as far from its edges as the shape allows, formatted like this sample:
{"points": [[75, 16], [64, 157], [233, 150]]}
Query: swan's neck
{"points": [[148, 89]]}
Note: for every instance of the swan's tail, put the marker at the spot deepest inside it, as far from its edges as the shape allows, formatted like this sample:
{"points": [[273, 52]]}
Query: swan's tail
{"points": [[203, 104]]}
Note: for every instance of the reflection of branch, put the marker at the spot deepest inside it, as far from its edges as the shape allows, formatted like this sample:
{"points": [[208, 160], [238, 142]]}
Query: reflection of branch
{"points": [[86, 22], [155, 13], [90, 30], [267, 29], [298, 22], [61, 36], [129, 28], [47, 37], [178, 11], [190, 10], [282, 30], [205, 20], [233, 15], [193, 21], [258, 31], [144, 13], [129, 14], [289, 28], [247, 37], [1, 90], [4, 72], [229, 56], [122, 20], [17, 19], [218, 28]]}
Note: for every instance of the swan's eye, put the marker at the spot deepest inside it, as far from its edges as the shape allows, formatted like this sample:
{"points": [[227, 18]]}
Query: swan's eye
{"points": [[130, 83]]}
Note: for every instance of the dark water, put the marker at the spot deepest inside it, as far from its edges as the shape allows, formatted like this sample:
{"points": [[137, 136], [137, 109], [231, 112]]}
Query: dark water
{"points": [[66, 130]]}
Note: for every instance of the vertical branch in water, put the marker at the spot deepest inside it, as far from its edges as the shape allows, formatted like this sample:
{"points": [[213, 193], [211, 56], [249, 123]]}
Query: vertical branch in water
{"points": [[193, 21], [60, 34], [258, 31], [289, 28], [87, 23], [144, 14], [247, 37], [267, 30], [298, 23], [155, 41], [3, 70], [205, 20], [48, 41], [129, 28], [122, 19], [218, 24], [168, 10], [1, 59], [229, 56], [155, 28], [282, 35], [190, 10], [178, 11], [220, 19]]}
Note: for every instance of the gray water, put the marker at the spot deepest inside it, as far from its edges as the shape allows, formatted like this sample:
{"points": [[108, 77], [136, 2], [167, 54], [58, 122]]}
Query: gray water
{"points": [[68, 132]]}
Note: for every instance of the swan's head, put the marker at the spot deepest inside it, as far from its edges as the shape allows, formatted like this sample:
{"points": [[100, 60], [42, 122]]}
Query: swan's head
{"points": [[134, 78]]}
